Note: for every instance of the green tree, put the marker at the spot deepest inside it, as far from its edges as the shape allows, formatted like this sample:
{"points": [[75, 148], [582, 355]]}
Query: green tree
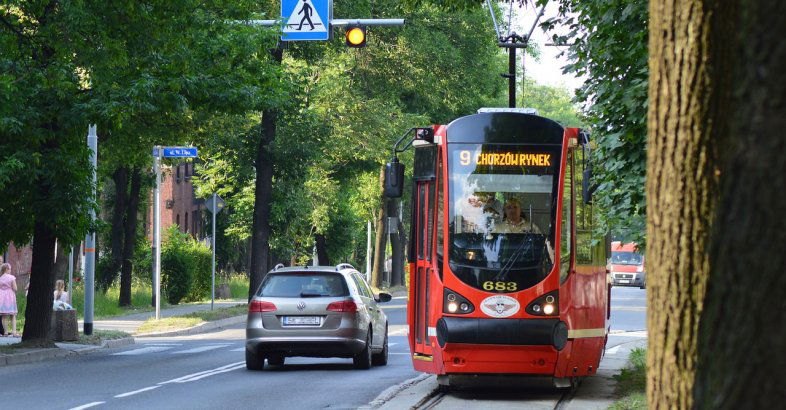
{"points": [[607, 45], [551, 102]]}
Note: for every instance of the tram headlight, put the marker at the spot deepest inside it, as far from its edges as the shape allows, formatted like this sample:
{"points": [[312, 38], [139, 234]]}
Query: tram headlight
{"points": [[454, 303], [544, 305], [548, 309]]}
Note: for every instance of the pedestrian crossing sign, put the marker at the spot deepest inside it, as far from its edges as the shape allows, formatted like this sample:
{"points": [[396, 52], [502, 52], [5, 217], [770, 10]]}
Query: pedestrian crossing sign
{"points": [[306, 19]]}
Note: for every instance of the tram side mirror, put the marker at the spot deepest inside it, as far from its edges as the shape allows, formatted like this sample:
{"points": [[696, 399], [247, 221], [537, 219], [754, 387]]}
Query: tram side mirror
{"points": [[587, 189], [425, 134], [394, 179]]}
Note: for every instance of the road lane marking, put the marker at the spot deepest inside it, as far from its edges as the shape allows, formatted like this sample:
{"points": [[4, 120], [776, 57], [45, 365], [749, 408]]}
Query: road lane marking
{"points": [[143, 350], [392, 306], [162, 344], [202, 348], [392, 344], [84, 406], [613, 350], [239, 349], [131, 393], [199, 375], [400, 297]]}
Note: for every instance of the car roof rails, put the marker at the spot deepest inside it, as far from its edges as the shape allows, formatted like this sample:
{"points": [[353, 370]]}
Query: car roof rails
{"points": [[279, 266], [344, 266]]}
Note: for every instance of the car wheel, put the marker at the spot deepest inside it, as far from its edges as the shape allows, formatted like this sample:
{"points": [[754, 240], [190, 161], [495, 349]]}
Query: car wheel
{"points": [[363, 359], [381, 358], [254, 361], [275, 360]]}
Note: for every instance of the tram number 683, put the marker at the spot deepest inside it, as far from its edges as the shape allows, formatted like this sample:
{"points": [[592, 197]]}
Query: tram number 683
{"points": [[500, 286]]}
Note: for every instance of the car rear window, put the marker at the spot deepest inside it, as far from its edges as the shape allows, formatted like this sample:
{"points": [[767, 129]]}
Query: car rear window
{"points": [[298, 285]]}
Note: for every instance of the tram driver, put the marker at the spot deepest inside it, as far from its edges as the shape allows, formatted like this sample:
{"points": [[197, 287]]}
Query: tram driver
{"points": [[515, 221]]}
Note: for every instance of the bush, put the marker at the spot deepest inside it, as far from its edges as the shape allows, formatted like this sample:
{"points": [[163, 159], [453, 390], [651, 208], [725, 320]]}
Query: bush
{"points": [[177, 266], [203, 257]]}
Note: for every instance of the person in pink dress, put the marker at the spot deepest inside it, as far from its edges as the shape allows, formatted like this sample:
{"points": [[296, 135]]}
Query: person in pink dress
{"points": [[8, 299]]}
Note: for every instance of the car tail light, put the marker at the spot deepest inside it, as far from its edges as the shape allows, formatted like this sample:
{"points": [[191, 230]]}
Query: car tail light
{"points": [[261, 306], [348, 306]]}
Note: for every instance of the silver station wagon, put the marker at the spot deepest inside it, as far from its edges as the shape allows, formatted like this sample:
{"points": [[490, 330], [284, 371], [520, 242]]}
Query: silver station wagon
{"points": [[316, 311]]}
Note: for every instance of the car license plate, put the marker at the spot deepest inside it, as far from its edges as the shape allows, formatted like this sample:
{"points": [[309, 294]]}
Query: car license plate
{"points": [[301, 320], [624, 281]]}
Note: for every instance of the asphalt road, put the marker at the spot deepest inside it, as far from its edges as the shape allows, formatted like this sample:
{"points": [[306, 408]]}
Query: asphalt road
{"points": [[628, 309], [208, 371], [201, 372]]}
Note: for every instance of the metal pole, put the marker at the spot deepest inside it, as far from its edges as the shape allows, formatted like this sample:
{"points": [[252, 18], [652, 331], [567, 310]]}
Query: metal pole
{"points": [[512, 77], [71, 275], [157, 232], [213, 283], [90, 239], [368, 253]]}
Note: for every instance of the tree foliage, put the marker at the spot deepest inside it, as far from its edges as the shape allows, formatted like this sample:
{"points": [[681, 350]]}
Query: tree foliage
{"points": [[607, 45]]}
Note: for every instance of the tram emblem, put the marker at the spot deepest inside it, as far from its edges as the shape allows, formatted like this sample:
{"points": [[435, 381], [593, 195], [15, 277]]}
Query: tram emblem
{"points": [[500, 306]]}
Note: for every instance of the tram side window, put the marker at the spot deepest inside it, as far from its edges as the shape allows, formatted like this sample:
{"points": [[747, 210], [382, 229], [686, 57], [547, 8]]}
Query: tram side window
{"points": [[440, 215], [430, 226], [567, 204], [584, 216]]}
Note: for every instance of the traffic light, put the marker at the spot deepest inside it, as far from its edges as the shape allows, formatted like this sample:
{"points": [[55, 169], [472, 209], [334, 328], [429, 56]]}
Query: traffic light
{"points": [[356, 36]]}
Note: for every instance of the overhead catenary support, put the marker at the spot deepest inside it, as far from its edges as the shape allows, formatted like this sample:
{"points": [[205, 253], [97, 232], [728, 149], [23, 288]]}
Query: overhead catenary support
{"points": [[335, 22]]}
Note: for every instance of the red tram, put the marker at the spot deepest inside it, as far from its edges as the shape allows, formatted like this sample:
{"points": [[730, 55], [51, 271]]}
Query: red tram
{"points": [[505, 274]]}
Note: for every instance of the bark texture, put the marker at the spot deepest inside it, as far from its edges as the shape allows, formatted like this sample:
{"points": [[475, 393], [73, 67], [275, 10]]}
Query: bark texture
{"points": [[322, 254], [38, 312], [378, 263], [686, 93], [742, 335], [129, 238], [260, 230], [120, 179]]}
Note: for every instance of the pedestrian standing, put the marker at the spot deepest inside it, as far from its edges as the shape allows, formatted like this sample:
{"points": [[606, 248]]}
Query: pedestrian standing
{"points": [[8, 299]]}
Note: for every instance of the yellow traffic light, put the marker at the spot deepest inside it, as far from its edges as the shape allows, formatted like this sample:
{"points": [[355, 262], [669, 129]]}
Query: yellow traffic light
{"points": [[356, 36]]}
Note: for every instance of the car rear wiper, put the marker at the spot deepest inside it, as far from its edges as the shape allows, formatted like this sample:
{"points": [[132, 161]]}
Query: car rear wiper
{"points": [[311, 295]]}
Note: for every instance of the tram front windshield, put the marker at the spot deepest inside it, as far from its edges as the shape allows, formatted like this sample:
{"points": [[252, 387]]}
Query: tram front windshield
{"points": [[502, 214]]}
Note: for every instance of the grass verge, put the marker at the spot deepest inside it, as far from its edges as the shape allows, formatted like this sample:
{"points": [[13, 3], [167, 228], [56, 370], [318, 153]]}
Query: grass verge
{"points": [[191, 319], [100, 336], [632, 382]]}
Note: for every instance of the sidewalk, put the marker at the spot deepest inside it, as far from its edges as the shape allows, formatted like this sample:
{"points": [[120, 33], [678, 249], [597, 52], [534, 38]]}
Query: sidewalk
{"points": [[596, 392], [126, 323], [130, 323]]}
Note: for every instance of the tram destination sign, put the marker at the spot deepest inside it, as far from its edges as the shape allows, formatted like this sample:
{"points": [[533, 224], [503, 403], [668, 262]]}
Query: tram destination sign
{"points": [[505, 159]]}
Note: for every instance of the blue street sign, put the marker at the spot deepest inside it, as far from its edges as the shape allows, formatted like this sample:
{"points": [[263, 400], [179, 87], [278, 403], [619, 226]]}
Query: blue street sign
{"points": [[306, 19], [178, 152]]}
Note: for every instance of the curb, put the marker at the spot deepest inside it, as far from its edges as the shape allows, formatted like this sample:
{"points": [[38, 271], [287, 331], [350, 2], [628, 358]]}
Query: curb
{"points": [[392, 391], [57, 352], [202, 328], [34, 356]]}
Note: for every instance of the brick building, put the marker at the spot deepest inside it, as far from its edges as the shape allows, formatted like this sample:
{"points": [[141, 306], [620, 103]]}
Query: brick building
{"points": [[178, 203]]}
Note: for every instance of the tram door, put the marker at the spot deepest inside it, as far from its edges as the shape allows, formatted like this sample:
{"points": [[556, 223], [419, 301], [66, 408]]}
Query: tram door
{"points": [[423, 244]]}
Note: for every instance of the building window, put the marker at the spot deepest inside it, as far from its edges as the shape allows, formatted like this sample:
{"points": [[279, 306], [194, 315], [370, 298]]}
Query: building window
{"points": [[177, 173], [177, 220], [194, 221], [185, 224]]}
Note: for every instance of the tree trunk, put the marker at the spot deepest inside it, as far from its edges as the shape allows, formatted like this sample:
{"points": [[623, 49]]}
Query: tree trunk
{"points": [[38, 312], [684, 96], [742, 332], [322, 255], [120, 178], [129, 240], [60, 267], [260, 231], [378, 265]]}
